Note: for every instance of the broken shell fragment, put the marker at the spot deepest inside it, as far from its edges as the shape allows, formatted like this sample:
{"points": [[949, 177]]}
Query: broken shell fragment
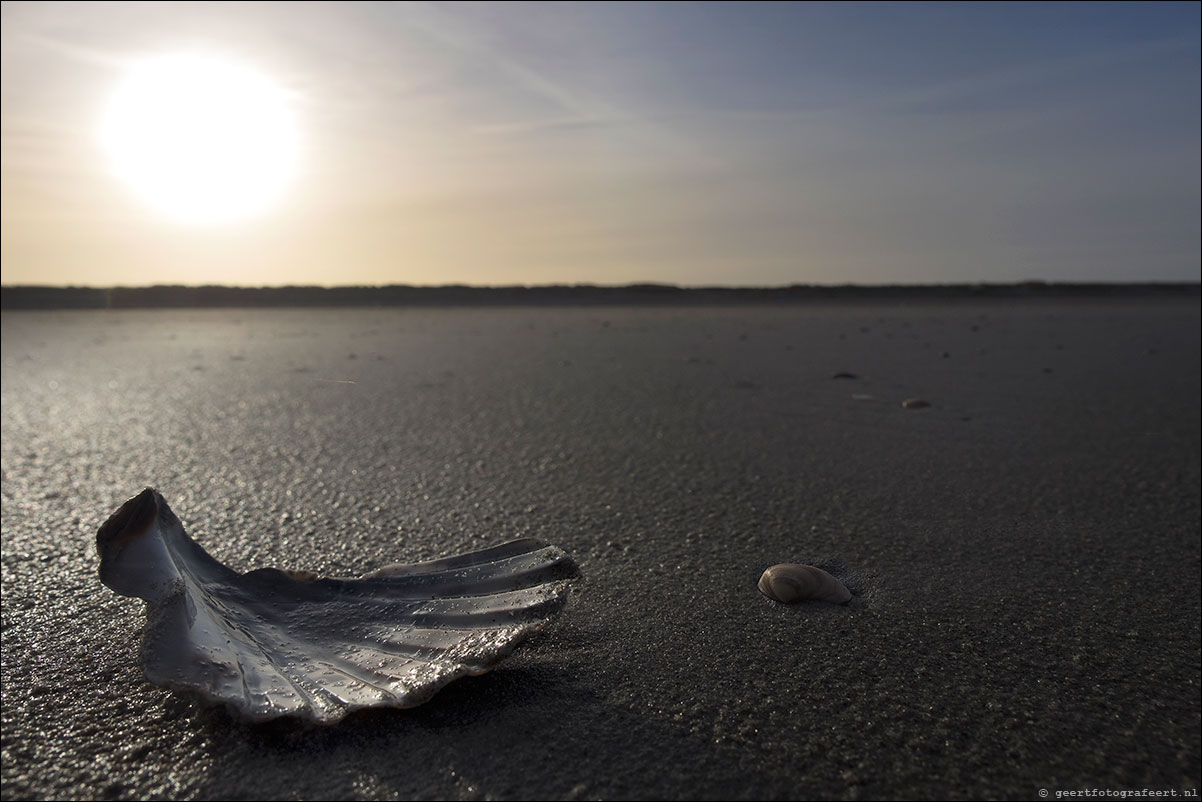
{"points": [[271, 643], [916, 403], [792, 582]]}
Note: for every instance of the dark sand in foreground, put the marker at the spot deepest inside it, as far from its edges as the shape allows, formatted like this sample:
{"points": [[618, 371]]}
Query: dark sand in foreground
{"points": [[1025, 552]]}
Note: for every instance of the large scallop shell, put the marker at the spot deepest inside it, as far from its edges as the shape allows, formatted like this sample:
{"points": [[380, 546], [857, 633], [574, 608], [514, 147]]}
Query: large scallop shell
{"points": [[272, 643]]}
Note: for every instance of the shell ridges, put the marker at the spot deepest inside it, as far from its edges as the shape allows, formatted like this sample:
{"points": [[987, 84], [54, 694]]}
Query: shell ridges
{"points": [[270, 643]]}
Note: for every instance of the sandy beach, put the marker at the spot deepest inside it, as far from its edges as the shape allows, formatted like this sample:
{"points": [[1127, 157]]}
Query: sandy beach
{"points": [[1024, 552]]}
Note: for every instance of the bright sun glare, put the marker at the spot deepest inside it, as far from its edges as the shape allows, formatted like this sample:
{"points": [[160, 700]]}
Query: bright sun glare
{"points": [[203, 139]]}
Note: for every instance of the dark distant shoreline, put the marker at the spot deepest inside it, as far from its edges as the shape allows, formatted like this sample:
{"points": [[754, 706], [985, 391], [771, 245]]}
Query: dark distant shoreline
{"points": [[40, 297]]}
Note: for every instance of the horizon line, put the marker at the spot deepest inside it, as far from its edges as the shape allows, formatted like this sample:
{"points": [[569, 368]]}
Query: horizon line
{"points": [[34, 297], [636, 285]]}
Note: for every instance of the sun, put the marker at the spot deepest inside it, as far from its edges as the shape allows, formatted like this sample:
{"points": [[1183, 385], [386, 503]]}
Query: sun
{"points": [[204, 140]]}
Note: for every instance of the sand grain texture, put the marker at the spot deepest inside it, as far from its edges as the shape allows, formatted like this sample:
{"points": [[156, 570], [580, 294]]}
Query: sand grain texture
{"points": [[1024, 553]]}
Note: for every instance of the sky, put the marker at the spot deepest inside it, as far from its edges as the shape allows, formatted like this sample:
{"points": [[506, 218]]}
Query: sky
{"points": [[685, 143]]}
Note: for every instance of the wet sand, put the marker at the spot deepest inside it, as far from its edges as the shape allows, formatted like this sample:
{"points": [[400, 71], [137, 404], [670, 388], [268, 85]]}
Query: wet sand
{"points": [[1024, 552]]}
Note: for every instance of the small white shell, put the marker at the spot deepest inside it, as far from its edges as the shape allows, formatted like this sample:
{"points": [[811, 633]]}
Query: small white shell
{"points": [[791, 582]]}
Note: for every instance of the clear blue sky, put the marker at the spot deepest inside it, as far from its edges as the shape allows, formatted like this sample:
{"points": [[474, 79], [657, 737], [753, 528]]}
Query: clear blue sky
{"points": [[706, 143]]}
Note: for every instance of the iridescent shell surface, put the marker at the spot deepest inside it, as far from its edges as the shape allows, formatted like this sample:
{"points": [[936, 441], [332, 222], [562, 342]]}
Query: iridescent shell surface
{"points": [[794, 582], [271, 643]]}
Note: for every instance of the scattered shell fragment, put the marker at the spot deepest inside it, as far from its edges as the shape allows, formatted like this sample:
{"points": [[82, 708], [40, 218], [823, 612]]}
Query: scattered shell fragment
{"points": [[792, 582], [916, 403], [272, 643]]}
